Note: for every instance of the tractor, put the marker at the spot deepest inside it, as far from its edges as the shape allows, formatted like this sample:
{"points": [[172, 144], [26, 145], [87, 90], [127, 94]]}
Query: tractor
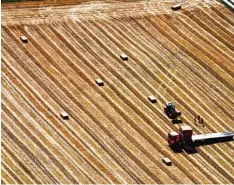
{"points": [[171, 111]]}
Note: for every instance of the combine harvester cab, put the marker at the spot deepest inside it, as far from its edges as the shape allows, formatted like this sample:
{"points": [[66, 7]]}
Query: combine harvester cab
{"points": [[171, 112]]}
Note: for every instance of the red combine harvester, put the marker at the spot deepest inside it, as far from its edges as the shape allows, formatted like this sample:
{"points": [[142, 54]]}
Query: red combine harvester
{"points": [[171, 111], [185, 136]]}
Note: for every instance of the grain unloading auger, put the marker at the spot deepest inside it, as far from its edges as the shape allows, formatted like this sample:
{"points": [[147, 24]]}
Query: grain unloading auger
{"points": [[185, 136]]}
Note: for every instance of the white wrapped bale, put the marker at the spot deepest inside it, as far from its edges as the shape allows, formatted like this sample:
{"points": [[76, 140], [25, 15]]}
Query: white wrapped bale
{"points": [[24, 39], [64, 115], [167, 161], [99, 82], [176, 7], [123, 56], [152, 99]]}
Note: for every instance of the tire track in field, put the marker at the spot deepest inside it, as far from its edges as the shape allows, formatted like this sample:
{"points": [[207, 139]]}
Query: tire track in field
{"points": [[125, 132], [203, 15], [106, 131], [54, 114], [220, 23], [202, 46], [72, 132], [209, 128], [65, 109], [99, 28], [207, 26], [18, 161], [225, 68], [54, 123], [210, 112], [26, 100], [5, 174], [62, 168], [172, 52], [12, 174], [11, 162], [77, 166], [114, 28], [106, 80], [99, 142], [206, 36], [152, 37], [178, 40], [154, 24], [109, 117], [125, 38], [223, 13], [37, 142]]}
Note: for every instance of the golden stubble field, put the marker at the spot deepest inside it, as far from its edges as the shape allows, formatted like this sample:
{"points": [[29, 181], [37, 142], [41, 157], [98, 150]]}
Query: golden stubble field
{"points": [[114, 134]]}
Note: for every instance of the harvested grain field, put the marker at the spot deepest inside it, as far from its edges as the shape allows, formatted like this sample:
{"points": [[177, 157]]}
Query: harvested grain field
{"points": [[114, 134]]}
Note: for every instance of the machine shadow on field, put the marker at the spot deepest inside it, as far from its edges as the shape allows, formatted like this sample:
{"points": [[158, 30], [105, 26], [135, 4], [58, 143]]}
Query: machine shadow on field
{"points": [[188, 150], [176, 149], [210, 142], [176, 121], [191, 148]]}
